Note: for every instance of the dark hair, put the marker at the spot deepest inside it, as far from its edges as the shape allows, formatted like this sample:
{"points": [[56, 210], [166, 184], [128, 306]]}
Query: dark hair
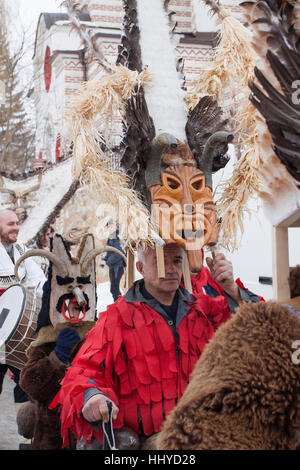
{"points": [[294, 281], [42, 234]]}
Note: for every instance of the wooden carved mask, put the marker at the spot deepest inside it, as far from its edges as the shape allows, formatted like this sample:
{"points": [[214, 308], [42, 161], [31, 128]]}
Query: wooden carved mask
{"points": [[184, 210]]}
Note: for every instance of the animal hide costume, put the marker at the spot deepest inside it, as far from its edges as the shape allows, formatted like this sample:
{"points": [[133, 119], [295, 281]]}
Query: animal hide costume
{"points": [[294, 282], [244, 390]]}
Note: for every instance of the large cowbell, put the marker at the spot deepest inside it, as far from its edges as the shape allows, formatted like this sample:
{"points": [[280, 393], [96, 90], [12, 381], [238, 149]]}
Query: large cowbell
{"points": [[181, 196]]}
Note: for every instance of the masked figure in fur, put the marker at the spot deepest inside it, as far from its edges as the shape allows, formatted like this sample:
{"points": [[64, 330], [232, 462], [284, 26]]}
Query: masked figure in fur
{"points": [[67, 314], [244, 390]]}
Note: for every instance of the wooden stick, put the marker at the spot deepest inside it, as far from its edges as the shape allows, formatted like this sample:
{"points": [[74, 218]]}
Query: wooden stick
{"points": [[187, 274], [130, 269], [160, 261], [281, 288]]}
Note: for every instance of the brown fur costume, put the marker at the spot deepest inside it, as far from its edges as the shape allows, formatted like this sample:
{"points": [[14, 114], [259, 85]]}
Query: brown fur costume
{"points": [[41, 379], [244, 392]]}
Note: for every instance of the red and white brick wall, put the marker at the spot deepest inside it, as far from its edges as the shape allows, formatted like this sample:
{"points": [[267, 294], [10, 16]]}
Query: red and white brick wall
{"points": [[195, 57], [183, 16], [235, 9], [107, 13]]}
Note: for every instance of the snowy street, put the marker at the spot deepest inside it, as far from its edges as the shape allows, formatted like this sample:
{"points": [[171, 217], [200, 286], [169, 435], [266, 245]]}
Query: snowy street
{"points": [[8, 428]]}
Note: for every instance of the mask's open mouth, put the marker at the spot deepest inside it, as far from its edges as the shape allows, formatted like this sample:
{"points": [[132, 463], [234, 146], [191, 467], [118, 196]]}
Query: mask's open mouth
{"points": [[72, 312], [190, 234]]}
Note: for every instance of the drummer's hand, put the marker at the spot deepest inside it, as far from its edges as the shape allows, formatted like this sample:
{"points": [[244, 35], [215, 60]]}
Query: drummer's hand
{"points": [[96, 409], [222, 272]]}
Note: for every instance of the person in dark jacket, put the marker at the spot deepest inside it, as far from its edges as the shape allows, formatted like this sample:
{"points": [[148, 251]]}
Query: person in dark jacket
{"points": [[114, 261]]}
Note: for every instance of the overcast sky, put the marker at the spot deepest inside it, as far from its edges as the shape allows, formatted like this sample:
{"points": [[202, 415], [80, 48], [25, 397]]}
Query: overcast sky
{"points": [[31, 9], [25, 14], [22, 23]]}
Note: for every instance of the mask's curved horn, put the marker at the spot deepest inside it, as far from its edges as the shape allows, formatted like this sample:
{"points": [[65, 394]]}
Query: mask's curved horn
{"points": [[157, 147], [6, 190], [46, 254], [206, 161], [95, 252]]}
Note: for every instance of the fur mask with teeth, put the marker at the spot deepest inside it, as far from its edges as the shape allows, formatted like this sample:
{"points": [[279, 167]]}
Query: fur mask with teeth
{"points": [[70, 279]]}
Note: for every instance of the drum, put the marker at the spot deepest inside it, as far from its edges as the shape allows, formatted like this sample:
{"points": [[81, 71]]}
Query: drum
{"points": [[19, 309]]}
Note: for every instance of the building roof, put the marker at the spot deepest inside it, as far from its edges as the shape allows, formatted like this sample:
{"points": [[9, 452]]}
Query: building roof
{"points": [[52, 18]]}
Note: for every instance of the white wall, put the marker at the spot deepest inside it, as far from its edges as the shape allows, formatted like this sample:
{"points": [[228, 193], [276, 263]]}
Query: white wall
{"points": [[254, 257], [204, 21]]}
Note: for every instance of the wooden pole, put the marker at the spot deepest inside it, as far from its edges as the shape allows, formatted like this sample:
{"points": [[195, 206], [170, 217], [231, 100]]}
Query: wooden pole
{"points": [[281, 264], [130, 269], [187, 274], [160, 261]]}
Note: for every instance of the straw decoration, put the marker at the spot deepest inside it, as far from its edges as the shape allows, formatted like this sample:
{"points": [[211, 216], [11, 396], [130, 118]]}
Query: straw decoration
{"points": [[92, 117], [229, 74]]}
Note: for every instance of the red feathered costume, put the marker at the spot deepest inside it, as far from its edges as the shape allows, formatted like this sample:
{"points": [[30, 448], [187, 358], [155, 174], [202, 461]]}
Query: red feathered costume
{"points": [[132, 356]]}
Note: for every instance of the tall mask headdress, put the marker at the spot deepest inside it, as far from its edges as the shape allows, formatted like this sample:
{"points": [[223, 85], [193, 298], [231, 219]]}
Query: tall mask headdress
{"points": [[168, 155], [172, 169], [70, 278]]}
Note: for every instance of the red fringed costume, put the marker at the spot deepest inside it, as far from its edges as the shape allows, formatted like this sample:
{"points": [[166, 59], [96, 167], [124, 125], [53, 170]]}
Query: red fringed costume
{"points": [[202, 279], [132, 356]]}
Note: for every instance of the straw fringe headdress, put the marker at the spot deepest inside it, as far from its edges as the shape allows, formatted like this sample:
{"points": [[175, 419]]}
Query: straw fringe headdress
{"points": [[92, 118], [228, 73], [269, 163], [126, 93], [258, 172]]}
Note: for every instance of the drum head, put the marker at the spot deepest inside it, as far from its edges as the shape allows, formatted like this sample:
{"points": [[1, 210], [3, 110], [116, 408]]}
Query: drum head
{"points": [[12, 303]]}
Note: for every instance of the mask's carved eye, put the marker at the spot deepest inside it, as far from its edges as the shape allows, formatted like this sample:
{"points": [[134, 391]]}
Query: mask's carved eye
{"points": [[63, 281], [172, 183], [84, 280], [198, 184]]}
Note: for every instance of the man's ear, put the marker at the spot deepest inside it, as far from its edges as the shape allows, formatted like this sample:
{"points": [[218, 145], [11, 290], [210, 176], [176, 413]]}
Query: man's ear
{"points": [[140, 267]]}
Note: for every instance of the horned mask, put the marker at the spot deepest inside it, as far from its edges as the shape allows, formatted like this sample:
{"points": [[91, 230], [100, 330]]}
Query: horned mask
{"points": [[71, 278], [181, 194]]}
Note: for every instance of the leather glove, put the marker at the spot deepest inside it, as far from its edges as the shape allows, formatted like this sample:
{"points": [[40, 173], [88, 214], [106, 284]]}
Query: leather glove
{"points": [[64, 344]]}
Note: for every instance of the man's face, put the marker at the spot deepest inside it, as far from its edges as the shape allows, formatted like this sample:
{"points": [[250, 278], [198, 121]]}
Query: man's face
{"points": [[9, 228], [45, 239], [173, 256], [111, 228]]}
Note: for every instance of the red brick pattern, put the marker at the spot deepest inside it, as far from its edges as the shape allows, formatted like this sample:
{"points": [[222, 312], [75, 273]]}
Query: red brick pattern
{"points": [[107, 12], [184, 15]]}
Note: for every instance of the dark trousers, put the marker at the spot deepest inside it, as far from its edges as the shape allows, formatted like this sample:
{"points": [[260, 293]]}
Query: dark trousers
{"points": [[19, 395], [115, 274]]}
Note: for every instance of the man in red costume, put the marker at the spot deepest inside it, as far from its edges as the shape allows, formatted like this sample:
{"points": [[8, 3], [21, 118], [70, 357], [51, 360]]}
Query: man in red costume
{"points": [[140, 354]]}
